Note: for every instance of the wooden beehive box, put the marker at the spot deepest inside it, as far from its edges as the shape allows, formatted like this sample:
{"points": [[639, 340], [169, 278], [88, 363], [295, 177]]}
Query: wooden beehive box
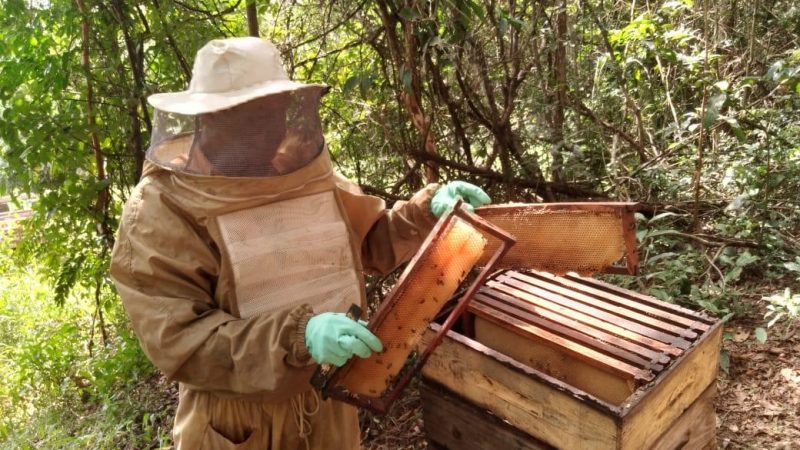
{"points": [[569, 362]]}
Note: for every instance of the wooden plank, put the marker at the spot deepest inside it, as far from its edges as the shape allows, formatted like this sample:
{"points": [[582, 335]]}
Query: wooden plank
{"points": [[532, 332], [599, 322], [695, 429], [533, 402], [544, 296], [652, 410], [615, 207], [452, 423], [575, 372], [625, 313], [646, 299], [629, 301], [577, 335], [643, 349]]}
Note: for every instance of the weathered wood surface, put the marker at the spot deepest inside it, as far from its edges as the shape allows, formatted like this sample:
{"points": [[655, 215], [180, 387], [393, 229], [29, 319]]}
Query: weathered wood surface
{"points": [[547, 308], [487, 306], [557, 302], [631, 300], [610, 387], [528, 311], [654, 408], [539, 356], [455, 424], [705, 320], [695, 429], [535, 403], [533, 333], [608, 304]]}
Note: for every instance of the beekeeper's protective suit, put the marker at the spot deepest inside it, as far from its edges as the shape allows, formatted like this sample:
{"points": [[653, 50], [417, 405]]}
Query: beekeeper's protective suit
{"points": [[238, 237]]}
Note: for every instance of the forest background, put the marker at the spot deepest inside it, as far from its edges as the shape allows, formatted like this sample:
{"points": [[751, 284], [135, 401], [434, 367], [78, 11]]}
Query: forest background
{"points": [[690, 108]]}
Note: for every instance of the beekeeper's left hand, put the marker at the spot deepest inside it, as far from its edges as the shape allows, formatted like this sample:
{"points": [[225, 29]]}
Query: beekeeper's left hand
{"points": [[448, 194]]}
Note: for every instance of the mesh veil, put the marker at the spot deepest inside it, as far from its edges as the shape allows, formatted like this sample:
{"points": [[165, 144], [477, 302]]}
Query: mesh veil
{"points": [[268, 136]]}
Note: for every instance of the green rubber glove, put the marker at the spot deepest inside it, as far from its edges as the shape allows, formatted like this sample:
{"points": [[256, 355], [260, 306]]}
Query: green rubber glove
{"points": [[448, 194], [333, 338]]}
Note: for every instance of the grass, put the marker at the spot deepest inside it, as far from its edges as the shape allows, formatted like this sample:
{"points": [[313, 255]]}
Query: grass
{"points": [[63, 387]]}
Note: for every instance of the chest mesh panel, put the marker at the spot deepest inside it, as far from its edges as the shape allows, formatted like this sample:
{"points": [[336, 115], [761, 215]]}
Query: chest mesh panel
{"points": [[289, 253]]}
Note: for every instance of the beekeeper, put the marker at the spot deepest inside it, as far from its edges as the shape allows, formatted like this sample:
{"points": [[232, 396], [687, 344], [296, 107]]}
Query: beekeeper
{"points": [[241, 247]]}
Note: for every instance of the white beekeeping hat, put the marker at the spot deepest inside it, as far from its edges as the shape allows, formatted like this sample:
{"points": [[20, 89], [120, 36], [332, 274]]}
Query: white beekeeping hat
{"points": [[229, 72]]}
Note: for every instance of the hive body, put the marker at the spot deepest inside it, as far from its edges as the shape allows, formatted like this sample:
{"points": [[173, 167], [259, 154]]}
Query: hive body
{"points": [[573, 362]]}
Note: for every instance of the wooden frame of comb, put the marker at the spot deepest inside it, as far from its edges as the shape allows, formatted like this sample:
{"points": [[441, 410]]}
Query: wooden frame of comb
{"points": [[332, 381], [581, 237]]}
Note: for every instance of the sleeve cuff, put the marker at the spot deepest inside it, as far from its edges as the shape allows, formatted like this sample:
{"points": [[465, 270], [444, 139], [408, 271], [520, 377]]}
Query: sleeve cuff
{"points": [[299, 355], [427, 194]]}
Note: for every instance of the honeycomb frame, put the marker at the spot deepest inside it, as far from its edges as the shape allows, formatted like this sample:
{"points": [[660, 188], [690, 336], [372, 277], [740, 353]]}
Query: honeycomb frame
{"points": [[332, 381]]}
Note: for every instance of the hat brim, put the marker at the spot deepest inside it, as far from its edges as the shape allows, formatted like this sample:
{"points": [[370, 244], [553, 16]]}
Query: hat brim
{"points": [[193, 103]]}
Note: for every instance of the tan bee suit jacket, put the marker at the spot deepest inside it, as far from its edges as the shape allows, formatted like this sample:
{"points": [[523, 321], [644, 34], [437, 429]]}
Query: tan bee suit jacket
{"points": [[220, 276]]}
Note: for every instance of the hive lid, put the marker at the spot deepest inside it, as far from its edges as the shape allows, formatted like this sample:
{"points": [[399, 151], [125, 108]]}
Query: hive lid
{"points": [[620, 331]]}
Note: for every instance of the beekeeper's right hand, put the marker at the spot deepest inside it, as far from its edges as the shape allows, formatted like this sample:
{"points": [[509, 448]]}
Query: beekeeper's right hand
{"points": [[333, 338]]}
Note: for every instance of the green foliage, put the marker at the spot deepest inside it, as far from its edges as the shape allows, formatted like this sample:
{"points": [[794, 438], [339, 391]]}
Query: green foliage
{"points": [[56, 370], [761, 335], [781, 307], [794, 266], [651, 102], [784, 306]]}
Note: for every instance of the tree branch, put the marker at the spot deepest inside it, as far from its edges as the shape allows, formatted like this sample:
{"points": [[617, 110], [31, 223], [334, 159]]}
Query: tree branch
{"points": [[329, 30], [207, 13], [539, 186], [584, 110], [405, 58], [618, 73], [187, 71], [252, 18], [103, 195], [710, 240]]}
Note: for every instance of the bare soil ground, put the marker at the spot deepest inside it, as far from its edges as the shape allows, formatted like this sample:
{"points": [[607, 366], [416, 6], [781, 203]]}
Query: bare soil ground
{"points": [[402, 428], [759, 402]]}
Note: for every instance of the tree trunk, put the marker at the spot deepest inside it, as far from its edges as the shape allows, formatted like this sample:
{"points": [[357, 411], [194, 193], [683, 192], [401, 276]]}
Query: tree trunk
{"points": [[560, 72], [103, 194], [252, 18]]}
